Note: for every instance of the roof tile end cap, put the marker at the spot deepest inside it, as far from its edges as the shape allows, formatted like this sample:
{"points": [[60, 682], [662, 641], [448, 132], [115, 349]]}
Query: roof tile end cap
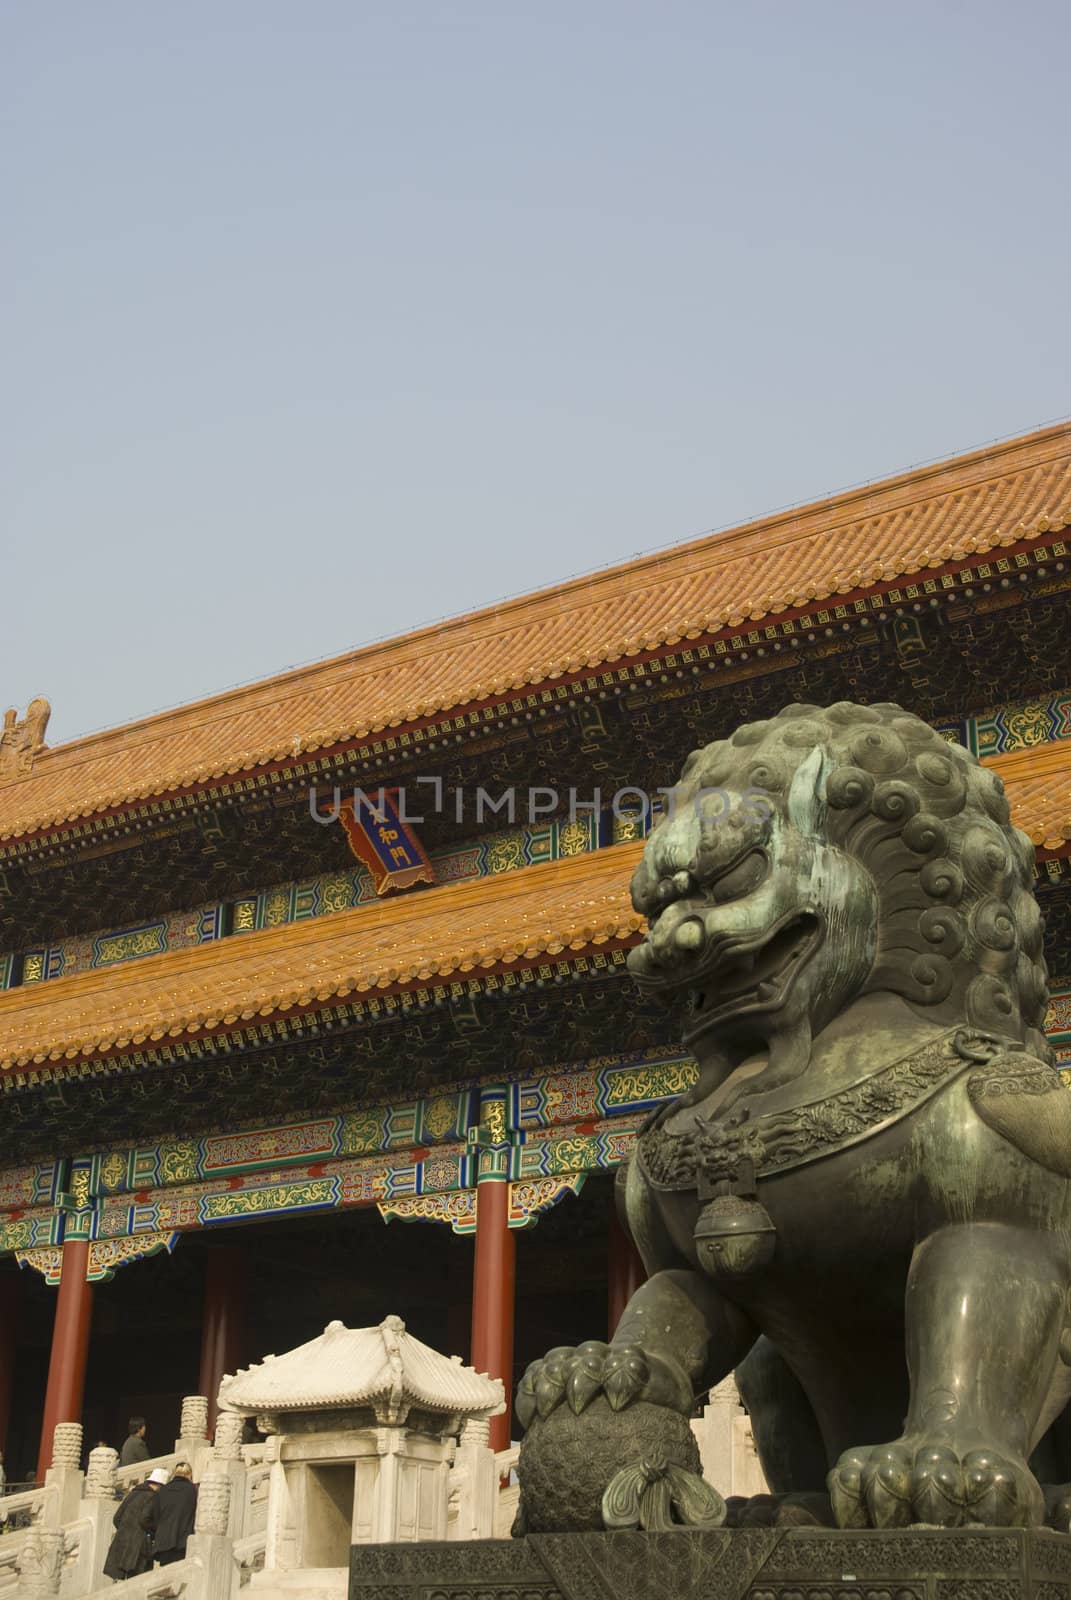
{"points": [[382, 1367]]}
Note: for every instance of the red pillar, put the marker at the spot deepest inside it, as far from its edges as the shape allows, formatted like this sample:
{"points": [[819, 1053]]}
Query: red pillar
{"points": [[492, 1298], [70, 1349], [222, 1324], [625, 1272], [10, 1288]]}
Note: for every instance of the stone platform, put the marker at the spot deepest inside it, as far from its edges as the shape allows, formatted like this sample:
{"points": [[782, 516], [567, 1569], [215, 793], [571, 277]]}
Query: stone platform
{"points": [[732, 1564]]}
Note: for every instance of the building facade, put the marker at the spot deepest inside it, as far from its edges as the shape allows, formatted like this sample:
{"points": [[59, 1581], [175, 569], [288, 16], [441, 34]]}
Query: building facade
{"points": [[248, 1019]]}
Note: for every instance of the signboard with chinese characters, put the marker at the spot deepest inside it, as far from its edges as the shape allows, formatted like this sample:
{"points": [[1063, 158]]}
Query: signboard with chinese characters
{"points": [[380, 839]]}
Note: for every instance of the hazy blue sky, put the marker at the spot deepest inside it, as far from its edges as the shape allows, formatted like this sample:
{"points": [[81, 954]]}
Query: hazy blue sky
{"points": [[324, 320]]}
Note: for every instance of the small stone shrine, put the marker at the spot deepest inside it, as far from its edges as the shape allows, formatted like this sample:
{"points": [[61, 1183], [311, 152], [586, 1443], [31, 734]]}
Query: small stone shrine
{"points": [[363, 1426]]}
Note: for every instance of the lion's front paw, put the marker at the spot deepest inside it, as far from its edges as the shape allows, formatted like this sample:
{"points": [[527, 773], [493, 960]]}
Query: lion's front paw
{"points": [[623, 1373], [933, 1481]]}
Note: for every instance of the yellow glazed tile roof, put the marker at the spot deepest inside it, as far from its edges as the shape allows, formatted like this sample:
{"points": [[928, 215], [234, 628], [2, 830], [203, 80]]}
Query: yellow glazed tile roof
{"points": [[570, 905], [1038, 782], [920, 520], [428, 938]]}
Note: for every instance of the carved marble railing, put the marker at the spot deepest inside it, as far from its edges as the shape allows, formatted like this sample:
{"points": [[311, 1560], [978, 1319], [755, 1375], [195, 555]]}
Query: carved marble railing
{"points": [[138, 1471], [180, 1579], [21, 1514], [17, 1510], [11, 1548], [248, 1555], [254, 1519], [60, 1554]]}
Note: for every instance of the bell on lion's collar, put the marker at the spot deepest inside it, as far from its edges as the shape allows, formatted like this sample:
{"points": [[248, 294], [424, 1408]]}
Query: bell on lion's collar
{"points": [[734, 1236]]}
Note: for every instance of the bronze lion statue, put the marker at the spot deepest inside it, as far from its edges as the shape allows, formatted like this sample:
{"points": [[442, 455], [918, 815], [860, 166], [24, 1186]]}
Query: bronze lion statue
{"points": [[862, 1205]]}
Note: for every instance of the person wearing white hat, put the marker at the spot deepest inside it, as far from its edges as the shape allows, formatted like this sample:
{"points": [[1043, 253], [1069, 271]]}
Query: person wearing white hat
{"points": [[130, 1551], [176, 1511]]}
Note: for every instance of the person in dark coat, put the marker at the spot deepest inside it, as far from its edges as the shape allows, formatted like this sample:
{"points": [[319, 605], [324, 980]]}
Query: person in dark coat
{"points": [[130, 1551], [134, 1446], [176, 1508]]}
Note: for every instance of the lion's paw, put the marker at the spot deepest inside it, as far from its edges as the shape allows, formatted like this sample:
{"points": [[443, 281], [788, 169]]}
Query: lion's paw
{"points": [[576, 1375], [932, 1481]]}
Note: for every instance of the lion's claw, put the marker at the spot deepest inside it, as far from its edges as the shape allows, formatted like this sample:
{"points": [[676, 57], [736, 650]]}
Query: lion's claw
{"points": [[932, 1481], [625, 1376], [623, 1373]]}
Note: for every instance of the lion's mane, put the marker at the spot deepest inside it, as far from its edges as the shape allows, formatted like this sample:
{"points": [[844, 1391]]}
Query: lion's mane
{"points": [[959, 926]]}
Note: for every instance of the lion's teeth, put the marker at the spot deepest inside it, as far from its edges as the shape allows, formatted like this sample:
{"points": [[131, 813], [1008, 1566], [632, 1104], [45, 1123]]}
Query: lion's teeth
{"points": [[766, 991]]}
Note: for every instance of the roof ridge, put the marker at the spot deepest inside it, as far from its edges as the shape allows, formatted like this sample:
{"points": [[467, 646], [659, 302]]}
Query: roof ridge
{"points": [[1001, 496], [431, 633]]}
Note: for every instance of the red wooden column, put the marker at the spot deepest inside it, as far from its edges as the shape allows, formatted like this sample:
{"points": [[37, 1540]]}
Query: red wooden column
{"points": [[222, 1322], [10, 1290], [70, 1348], [625, 1273], [494, 1266]]}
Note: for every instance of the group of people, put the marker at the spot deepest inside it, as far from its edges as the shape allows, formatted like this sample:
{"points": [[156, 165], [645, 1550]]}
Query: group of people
{"points": [[154, 1521]]}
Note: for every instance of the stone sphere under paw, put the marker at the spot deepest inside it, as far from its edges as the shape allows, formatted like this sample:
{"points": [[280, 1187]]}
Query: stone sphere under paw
{"points": [[567, 1461]]}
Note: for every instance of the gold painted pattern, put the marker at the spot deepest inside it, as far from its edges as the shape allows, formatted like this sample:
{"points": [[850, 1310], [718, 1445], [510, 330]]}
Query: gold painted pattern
{"points": [[279, 1197], [112, 1171], [648, 1083], [574, 839], [493, 1118], [440, 1116], [458, 1209], [128, 946], [178, 1161]]}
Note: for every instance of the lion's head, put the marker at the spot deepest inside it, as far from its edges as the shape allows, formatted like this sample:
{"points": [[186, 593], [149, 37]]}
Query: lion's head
{"points": [[829, 853]]}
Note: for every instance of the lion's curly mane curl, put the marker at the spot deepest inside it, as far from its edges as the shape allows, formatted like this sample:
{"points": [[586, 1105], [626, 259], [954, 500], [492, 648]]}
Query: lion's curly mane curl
{"points": [[959, 926]]}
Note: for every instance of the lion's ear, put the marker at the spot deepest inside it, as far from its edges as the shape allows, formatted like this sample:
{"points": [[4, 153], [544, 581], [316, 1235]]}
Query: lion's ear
{"points": [[804, 795]]}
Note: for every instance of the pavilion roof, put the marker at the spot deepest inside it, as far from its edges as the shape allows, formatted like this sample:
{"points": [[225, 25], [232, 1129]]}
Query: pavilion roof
{"points": [[385, 1368], [921, 520], [509, 921]]}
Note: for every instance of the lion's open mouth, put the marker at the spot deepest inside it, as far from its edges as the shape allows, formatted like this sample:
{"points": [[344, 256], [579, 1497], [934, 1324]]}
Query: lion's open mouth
{"points": [[758, 975]]}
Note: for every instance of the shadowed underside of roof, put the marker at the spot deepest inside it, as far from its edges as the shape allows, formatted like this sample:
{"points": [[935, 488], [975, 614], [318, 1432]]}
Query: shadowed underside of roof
{"points": [[517, 919], [919, 521]]}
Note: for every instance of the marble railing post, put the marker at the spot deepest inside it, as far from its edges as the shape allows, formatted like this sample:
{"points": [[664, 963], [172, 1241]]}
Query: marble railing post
{"points": [[64, 1477], [495, 1258], [70, 1349], [726, 1448], [474, 1482], [192, 1444], [226, 1464], [99, 1500], [209, 1543]]}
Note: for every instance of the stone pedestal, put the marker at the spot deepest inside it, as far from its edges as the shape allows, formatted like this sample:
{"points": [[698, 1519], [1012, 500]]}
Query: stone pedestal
{"points": [[732, 1564]]}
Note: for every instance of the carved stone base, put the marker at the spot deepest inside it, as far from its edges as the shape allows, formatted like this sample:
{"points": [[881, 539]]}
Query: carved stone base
{"points": [[732, 1564]]}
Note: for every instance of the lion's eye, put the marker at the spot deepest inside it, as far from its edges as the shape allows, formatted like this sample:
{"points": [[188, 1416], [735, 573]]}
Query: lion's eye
{"points": [[741, 879]]}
